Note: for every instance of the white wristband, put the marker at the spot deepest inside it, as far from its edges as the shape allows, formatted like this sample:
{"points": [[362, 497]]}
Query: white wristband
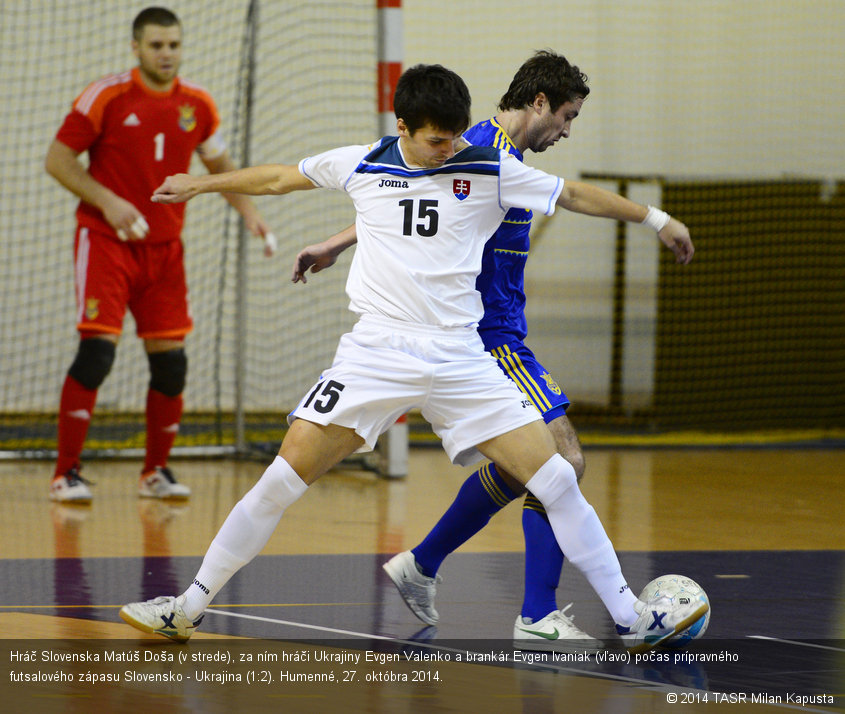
{"points": [[656, 219]]}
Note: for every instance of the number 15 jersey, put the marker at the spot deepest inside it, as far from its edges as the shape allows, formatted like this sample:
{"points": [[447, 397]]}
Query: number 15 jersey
{"points": [[421, 232]]}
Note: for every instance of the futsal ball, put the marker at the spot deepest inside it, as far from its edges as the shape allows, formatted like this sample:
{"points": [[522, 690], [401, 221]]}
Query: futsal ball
{"points": [[680, 590]]}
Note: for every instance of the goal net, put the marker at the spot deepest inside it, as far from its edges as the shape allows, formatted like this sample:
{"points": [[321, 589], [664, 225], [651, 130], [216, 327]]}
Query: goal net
{"points": [[749, 336], [304, 73]]}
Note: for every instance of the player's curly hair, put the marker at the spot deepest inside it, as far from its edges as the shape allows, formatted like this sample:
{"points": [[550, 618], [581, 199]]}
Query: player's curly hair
{"points": [[153, 16], [432, 94], [549, 73]]}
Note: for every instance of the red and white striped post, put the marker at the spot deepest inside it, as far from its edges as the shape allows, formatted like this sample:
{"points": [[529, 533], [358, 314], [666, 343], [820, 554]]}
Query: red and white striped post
{"points": [[393, 450], [390, 50], [393, 444]]}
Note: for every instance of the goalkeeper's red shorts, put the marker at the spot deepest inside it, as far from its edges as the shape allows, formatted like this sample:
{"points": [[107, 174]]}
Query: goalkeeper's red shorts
{"points": [[148, 278]]}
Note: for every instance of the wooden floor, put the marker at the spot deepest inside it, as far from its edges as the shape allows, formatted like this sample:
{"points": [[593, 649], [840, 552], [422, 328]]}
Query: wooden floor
{"points": [[762, 530]]}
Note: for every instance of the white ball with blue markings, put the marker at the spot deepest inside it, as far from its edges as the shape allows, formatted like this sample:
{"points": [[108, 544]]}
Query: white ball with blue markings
{"points": [[681, 590]]}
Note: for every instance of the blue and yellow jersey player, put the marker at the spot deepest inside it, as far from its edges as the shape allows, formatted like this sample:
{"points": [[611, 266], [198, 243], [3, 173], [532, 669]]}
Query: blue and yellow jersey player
{"points": [[543, 99]]}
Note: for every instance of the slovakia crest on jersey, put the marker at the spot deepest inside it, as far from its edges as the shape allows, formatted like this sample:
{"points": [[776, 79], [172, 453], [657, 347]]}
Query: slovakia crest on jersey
{"points": [[460, 187]]}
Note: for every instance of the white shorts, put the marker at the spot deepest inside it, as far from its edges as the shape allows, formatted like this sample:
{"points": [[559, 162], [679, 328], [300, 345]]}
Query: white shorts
{"points": [[384, 368]]}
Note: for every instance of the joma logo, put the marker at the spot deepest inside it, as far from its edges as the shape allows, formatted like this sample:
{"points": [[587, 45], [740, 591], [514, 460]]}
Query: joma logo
{"points": [[393, 183]]}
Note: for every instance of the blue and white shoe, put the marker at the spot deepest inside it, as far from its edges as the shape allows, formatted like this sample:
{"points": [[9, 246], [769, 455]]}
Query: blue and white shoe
{"points": [[161, 616], [659, 620]]}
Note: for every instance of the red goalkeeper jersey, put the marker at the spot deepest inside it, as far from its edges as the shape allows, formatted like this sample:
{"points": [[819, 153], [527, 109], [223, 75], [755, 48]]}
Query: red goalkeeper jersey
{"points": [[135, 138]]}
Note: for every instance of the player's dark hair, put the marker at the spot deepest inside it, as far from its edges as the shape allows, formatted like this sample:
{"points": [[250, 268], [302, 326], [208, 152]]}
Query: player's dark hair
{"points": [[153, 16], [549, 73], [432, 94]]}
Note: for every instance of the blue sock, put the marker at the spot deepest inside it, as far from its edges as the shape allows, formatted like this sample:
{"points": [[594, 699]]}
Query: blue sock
{"points": [[482, 494], [543, 561]]}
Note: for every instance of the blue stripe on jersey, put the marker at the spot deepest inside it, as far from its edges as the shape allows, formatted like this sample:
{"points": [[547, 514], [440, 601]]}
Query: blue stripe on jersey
{"points": [[502, 278], [463, 168], [387, 159]]}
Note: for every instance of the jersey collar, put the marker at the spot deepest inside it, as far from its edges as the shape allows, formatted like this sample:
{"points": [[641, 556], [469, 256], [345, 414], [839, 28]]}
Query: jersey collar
{"points": [[516, 152], [138, 80]]}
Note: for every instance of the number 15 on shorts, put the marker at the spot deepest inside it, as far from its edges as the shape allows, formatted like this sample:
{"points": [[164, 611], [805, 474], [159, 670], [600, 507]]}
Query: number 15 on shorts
{"points": [[324, 396]]}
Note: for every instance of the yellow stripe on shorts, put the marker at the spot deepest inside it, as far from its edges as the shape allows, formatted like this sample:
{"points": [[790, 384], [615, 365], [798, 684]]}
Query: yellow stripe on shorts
{"points": [[522, 377]]}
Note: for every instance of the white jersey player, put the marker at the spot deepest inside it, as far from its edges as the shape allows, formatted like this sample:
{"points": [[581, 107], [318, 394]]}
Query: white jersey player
{"points": [[421, 237], [415, 344], [421, 231]]}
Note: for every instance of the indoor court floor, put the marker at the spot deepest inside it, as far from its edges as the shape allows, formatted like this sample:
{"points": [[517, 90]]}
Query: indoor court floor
{"points": [[762, 530]]}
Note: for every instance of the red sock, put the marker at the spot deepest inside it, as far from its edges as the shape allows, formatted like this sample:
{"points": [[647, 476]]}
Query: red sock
{"points": [[75, 410], [163, 416]]}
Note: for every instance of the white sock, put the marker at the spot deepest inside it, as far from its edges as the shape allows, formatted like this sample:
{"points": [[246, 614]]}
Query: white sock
{"points": [[244, 533], [581, 536]]}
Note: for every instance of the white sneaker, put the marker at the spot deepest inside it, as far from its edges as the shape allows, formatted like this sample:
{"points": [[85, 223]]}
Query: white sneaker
{"points": [[161, 616], [556, 631], [71, 488], [416, 589], [161, 483], [659, 619]]}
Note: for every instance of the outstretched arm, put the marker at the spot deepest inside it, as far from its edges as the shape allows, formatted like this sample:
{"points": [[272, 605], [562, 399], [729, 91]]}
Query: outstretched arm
{"points": [[594, 201], [322, 255], [254, 181]]}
